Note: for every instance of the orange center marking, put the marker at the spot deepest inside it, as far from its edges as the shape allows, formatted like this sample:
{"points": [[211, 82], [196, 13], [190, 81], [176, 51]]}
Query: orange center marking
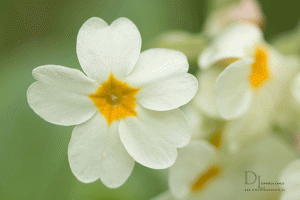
{"points": [[115, 99], [213, 172], [260, 71]]}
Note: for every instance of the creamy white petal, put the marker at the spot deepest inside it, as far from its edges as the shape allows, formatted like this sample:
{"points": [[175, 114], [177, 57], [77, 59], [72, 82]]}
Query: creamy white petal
{"points": [[169, 94], [260, 156], [295, 88], [103, 49], [291, 179], [67, 79], [233, 89], [157, 65], [192, 162], [268, 152], [206, 97], [236, 42], [58, 106], [205, 59], [117, 164], [241, 131], [152, 137], [95, 151], [290, 195], [194, 119], [86, 148], [282, 67]]}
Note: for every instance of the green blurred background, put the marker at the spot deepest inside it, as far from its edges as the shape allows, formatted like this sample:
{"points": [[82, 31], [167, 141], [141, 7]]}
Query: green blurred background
{"points": [[33, 152]]}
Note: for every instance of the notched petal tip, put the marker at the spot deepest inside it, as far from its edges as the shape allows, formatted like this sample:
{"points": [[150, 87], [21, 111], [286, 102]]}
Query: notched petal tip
{"points": [[122, 20], [94, 22], [103, 49]]}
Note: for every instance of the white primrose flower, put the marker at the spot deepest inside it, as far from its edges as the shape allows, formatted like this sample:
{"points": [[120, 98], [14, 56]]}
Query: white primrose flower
{"points": [[127, 107], [290, 178], [255, 69], [203, 172], [241, 131]]}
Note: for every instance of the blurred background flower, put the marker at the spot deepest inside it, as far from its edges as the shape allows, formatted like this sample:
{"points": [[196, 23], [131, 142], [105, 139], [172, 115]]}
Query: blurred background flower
{"points": [[33, 152]]}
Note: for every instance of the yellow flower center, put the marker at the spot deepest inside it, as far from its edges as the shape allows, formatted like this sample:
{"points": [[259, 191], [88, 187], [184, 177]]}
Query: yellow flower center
{"points": [[205, 178], [260, 71], [115, 99]]}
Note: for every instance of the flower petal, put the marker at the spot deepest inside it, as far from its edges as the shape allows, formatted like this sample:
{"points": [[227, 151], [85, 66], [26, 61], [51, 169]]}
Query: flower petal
{"points": [[58, 106], [233, 89], [260, 156], [282, 67], [243, 130], [152, 137], [193, 160], [194, 118], [291, 194], [205, 97], [236, 42], [295, 88], [61, 95], [291, 176], [169, 94], [103, 49], [117, 164], [157, 65], [65, 78], [95, 151]]}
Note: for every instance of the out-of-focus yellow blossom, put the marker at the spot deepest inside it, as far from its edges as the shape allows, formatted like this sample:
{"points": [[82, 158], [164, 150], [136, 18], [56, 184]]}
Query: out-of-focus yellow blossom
{"points": [[203, 172]]}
